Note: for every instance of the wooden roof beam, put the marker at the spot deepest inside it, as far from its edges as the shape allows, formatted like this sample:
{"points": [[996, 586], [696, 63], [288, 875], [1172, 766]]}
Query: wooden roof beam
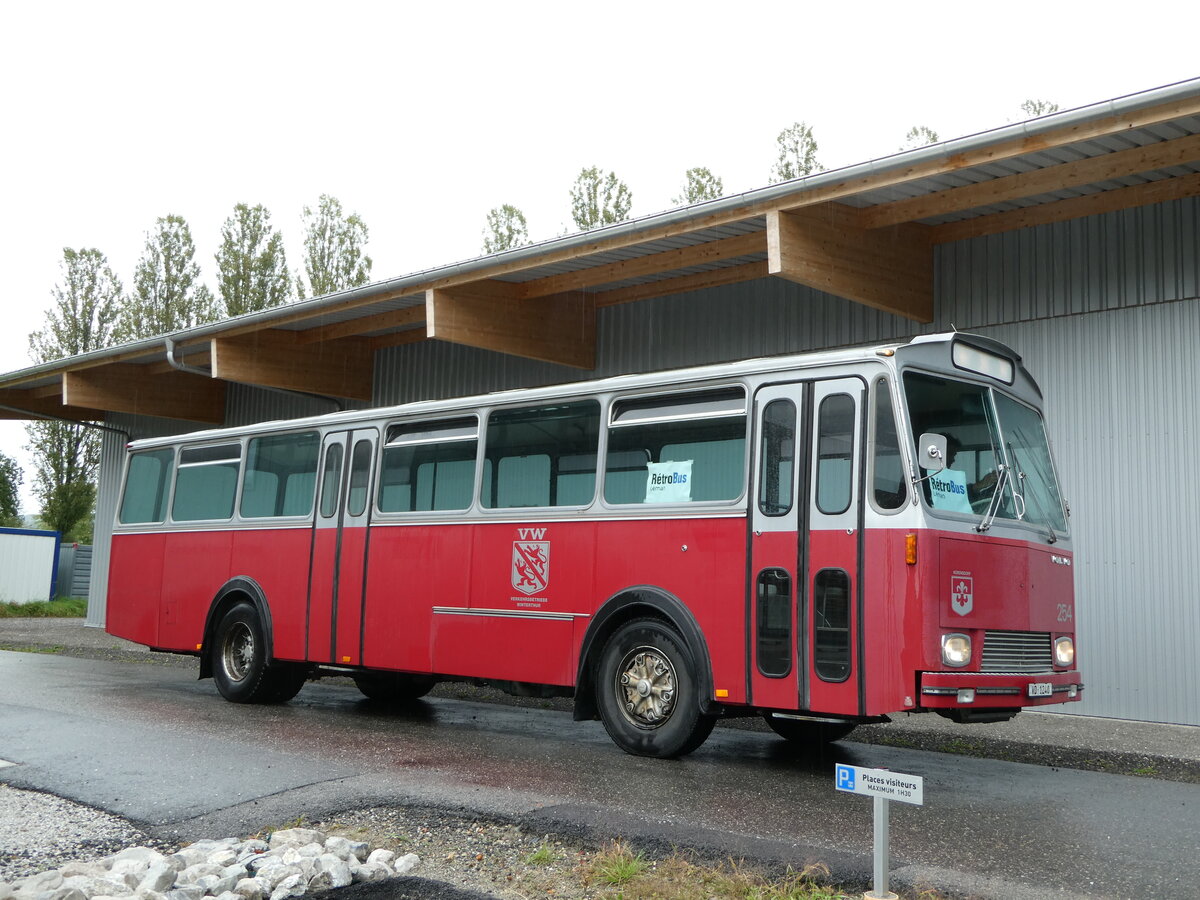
{"points": [[395, 318], [1064, 210], [128, 388], [277, 358], [560, 328], [824, 248], [40, 403], [697, 281], [1105, 167], [649, 264]]}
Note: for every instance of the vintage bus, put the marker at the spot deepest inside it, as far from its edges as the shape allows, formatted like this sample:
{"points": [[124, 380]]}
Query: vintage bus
{"points": [[820, 539]]}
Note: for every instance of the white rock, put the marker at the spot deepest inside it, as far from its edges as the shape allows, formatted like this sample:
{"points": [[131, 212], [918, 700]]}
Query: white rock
{"points": [[141, 894], [159, 877], [187, 892], [40, 883], [295, 837], [371, 872], [97, 887], [338, 869], [292, 886], [189, 856], [253, 846], [134, 859], [84, 867], [338, 846], [406, 863], [387, 857], [65, 893], [320, 881], [229, 895], [223, 857], [194, 873], [250, 889], [6, 891]]}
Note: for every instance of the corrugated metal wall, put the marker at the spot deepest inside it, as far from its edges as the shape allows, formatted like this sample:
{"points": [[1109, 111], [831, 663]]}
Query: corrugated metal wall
{"points": [[1089, 303]]}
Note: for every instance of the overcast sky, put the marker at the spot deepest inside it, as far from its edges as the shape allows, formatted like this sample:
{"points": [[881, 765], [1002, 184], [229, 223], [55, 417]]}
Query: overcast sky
{"points": [[422, 117]]}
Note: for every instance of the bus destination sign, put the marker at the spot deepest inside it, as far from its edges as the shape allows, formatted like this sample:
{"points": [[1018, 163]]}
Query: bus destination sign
{"points": [[880, 783]]}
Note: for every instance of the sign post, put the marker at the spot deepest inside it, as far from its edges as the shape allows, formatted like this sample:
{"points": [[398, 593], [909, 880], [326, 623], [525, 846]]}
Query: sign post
{"points": [[885, 786]]}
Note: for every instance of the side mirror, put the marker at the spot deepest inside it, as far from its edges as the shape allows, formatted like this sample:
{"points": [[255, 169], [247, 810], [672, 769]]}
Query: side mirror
{"points": [[931, 451]]}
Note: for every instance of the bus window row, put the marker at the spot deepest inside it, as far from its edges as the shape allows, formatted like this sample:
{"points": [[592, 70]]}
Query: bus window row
{"points": [[682, 448]]}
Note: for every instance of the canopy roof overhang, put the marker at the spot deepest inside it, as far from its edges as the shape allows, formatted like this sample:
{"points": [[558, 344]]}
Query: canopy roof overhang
{"points": [[865, 233]]}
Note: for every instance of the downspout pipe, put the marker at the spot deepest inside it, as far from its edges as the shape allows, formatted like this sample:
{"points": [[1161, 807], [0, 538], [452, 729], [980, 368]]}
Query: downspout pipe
{"points": [[175, 363]]}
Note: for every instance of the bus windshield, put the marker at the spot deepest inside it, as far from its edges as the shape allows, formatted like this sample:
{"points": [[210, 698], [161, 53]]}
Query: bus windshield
{"points": [[991, 441]]}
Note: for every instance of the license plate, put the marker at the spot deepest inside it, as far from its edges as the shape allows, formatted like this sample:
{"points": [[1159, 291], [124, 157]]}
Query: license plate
{"points": [[1041, 689]]}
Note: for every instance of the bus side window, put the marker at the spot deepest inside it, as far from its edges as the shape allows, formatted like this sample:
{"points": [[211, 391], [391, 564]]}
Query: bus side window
{"points": [[835, 436], [429, 466], [360, 478], [697, 439], [146, 487], [331, 481], [542, 456], [778, 455], [206, 483], [281, 473], [831, 614], [890, 489]]}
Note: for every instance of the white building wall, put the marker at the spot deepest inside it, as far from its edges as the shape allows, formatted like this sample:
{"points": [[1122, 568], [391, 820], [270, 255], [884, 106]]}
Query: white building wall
{"points": [[28, 560]]}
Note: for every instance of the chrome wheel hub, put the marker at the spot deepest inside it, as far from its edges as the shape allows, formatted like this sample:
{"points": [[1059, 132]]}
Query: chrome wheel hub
{"points": [[237, 655], [645, 687]]}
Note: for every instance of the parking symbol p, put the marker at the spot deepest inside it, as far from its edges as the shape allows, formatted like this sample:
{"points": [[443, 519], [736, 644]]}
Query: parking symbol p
{"points": [[845, 778]]}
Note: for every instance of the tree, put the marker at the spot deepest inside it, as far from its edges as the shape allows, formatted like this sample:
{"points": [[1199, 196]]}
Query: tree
{"points": [[700, 185], [333, 249], [506, 229], [11, 477], [1035, 108], [82, 319], [919, 136], [797, 154], [252, 271], [167, 293], [598, 198]]}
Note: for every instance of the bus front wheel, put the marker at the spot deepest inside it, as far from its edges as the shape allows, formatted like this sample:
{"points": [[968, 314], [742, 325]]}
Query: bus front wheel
{"points": [[239, 662], [647, 691]]}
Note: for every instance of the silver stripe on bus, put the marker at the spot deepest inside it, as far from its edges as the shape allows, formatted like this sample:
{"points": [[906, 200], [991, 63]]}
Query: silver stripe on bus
{"points": [[509, 613]]}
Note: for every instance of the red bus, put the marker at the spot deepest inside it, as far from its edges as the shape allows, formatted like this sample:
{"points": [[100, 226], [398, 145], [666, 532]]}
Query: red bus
{"points": [[821, 539]]}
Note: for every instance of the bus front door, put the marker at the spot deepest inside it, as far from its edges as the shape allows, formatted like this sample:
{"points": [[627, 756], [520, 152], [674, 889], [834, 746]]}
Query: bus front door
{"points": [[834, 547], [337, 577]]}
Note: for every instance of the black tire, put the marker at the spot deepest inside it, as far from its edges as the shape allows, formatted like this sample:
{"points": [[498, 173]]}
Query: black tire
{"points": [[808, 734], [239, 661], [394, 687], [647, 691]]}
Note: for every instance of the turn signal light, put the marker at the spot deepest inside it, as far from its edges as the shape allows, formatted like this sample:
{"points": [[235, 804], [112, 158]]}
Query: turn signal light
{"points": [[910, 549]]}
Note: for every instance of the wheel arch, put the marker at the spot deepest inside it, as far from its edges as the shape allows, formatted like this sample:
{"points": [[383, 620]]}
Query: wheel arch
{"points": [[640, 602], [234, 591]]}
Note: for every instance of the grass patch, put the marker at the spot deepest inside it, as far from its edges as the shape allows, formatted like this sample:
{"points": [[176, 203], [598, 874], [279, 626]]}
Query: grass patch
{"points": [[1146, 771], [617, 864], [67, 608], [19, 648], [965, 748], [543, 856], [679, 877]]}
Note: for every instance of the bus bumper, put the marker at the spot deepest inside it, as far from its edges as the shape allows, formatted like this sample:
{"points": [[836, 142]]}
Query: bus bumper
{"points": [[992, 690]]}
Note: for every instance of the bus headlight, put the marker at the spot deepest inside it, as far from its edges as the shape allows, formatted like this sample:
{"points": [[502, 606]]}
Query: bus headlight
{"points": [[1064, 652], [956, 650]]}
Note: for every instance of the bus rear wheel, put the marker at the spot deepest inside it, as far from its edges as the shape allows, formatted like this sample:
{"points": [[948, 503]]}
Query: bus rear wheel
{"points": [[393, 687], [647, 691], [239, 662], [812, 734]]}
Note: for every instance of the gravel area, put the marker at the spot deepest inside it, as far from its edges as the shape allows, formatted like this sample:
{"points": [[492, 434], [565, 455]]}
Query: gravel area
{"points": [[41, 831]]}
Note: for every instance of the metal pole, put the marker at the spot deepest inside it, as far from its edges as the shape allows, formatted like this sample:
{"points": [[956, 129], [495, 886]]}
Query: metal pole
{"points": [[881, 891]]}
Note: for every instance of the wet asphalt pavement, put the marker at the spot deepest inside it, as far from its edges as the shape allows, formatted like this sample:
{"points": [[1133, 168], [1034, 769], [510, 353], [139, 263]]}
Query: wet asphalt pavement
{"points": [[150, 743]]}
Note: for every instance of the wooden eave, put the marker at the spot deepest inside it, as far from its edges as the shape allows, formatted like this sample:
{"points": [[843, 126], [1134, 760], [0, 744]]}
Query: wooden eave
{"points": [[868, 237]]}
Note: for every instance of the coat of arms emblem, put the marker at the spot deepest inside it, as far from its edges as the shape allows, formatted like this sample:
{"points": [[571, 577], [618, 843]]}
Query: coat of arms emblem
{"points": [[962, 593], [530, 566]]}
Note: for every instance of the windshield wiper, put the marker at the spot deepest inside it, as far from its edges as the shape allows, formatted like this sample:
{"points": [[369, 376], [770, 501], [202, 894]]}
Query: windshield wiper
{"points": [[1051, 537], [997, 499]]}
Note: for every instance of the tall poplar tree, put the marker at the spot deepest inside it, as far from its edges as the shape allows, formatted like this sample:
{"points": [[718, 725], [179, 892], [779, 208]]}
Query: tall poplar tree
{"points": [[65, 456], [506, 229], [167, 292], [333, 250], [797, 153], [599, 198], [919, 136], [252, 271], [11, 477], [699, 185]]}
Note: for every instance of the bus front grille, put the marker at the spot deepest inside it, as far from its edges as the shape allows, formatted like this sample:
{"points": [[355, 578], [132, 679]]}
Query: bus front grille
{"points": [[1016, 651]]}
